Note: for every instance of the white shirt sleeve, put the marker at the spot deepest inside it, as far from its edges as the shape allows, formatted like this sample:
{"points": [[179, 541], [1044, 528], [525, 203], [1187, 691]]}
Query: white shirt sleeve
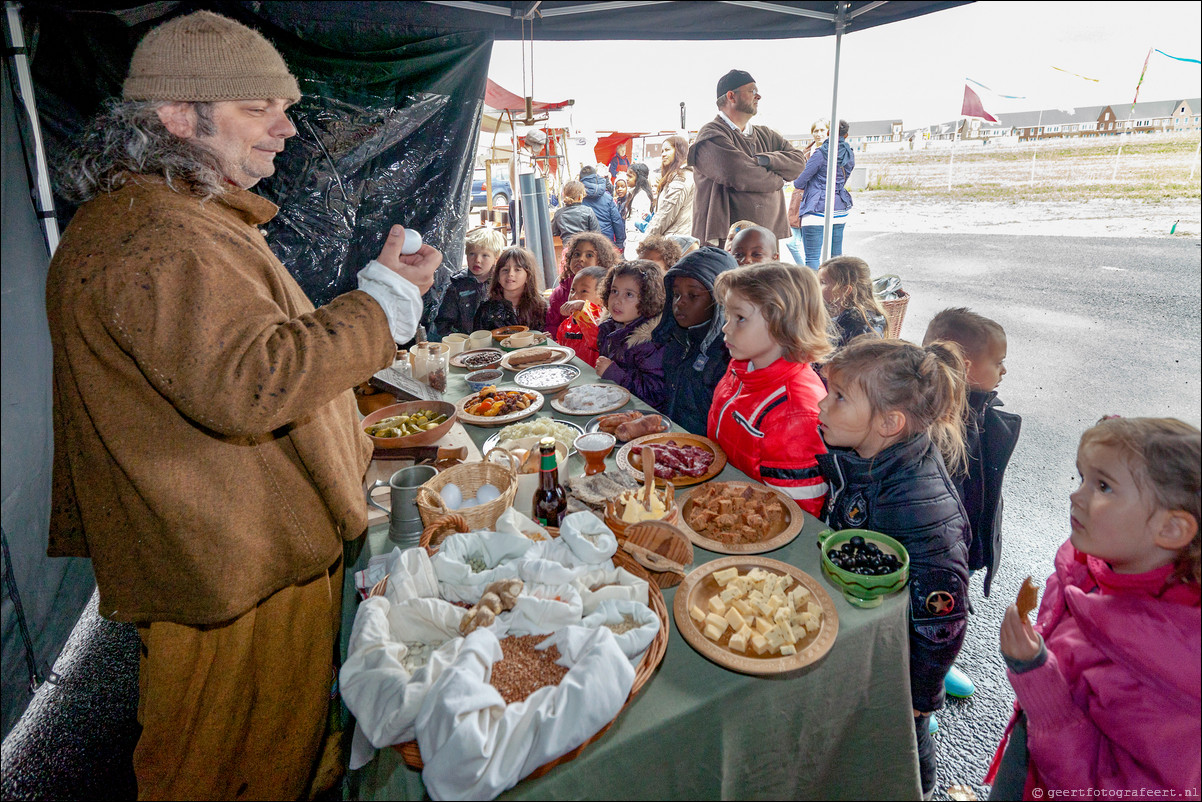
{"points": [[397, 296]]}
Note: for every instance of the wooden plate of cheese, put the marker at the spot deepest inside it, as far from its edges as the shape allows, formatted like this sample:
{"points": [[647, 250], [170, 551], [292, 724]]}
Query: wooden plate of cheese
{"points": [[755, 615]]}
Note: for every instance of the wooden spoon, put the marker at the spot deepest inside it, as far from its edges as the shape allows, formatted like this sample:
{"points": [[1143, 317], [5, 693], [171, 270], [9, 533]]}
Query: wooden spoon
{"points": [[648, 476], [652, 560]]}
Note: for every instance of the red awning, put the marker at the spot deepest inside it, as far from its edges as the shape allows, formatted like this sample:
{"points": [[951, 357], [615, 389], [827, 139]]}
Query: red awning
{"points": [[607, 145], [498, 98]]}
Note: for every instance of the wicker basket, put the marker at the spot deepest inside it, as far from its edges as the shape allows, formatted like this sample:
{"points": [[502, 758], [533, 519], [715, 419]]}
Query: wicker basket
{"points": [[895, 313], [469, 477], [655, 654]]}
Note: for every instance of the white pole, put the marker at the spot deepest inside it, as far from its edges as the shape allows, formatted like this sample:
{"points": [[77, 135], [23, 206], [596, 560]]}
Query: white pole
{"points": [[1038, 126], [832, 138], [1194, 161], [25, 85]]}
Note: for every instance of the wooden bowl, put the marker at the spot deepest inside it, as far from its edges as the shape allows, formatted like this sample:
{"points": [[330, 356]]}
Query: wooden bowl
{"points": [[425, 438], [507, 331], [665, 540], [613, 513]]}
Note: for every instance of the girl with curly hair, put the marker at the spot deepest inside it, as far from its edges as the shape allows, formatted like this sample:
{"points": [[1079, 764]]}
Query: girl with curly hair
{"points": [[586, 249], [633, 293]]}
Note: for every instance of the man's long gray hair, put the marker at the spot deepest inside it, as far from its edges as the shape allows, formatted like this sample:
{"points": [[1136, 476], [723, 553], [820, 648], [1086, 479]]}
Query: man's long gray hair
{"points": [[128, 139]]}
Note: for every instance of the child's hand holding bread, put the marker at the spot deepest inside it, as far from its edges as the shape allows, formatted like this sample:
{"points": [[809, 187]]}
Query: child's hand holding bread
{"points": [[1019, 640]]}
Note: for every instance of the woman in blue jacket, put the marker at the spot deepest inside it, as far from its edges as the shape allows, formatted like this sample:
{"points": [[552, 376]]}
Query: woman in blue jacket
{"points": [[812, 182]]}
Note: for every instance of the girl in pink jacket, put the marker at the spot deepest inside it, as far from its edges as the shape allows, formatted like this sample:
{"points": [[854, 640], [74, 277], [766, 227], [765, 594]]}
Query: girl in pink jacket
{"points": [[1108, 680]]}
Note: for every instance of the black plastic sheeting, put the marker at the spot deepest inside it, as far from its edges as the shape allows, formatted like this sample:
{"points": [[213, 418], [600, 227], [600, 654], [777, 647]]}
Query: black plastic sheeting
{"points": [[588, 20], [386, 129]]}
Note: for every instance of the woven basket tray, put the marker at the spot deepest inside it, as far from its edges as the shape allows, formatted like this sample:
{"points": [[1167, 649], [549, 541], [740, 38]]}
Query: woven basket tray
{"points": [[655, 652], [895, 313], [469, 476]]}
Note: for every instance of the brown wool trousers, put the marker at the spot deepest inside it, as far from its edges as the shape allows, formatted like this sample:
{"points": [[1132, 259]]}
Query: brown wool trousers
{"points": [[239, 710]]}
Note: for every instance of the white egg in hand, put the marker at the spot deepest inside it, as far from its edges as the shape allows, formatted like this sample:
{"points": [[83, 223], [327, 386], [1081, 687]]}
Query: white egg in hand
{"points": [[487, 493], [452, 496]]}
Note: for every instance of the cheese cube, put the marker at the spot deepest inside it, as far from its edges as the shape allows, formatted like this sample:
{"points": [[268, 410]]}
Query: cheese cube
{"points": [[725, 575], [777, 600], [746, 632], [714, 620], [730, 593], [787, 649], [743, 607], [812, 625], [774, 637], [697, 614], [735, 620], [712, 632], [763, 624], [764, 607], [799, 594], [781, 614], [738, 643], [787, 631], [759, 643], [814, 608], [717, 605]]}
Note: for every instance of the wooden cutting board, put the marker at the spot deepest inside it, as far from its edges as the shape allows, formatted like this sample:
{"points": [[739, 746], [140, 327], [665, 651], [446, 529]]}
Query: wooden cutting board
{"points": [[382, 469]]}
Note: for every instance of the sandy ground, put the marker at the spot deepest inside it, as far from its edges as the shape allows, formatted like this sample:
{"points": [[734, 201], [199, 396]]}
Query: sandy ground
{"points": [[1095, 218]]}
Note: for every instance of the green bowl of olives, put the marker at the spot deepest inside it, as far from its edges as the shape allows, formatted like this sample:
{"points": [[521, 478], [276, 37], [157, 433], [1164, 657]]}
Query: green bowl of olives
{"points": [[865, 565], [409, 424]]}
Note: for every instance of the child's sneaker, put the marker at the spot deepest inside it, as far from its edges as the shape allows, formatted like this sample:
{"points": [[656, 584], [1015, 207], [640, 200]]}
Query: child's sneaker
{"points": [[957, 684], [932, 724]]}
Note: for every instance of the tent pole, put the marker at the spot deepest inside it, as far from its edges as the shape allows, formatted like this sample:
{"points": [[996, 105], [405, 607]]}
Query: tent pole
{"points": [[832, 150], [16, 40]]}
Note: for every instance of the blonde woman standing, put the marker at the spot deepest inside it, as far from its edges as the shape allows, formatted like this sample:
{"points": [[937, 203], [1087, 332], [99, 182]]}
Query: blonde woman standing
{"points": [[819, 130]]}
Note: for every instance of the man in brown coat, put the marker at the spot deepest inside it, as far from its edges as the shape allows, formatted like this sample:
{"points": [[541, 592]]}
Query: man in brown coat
{"points": [[208, 456], [740, 168]]}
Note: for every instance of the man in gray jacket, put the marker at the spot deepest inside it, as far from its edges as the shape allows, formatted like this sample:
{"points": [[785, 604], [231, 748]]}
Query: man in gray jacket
{"points": [[740, 168]]}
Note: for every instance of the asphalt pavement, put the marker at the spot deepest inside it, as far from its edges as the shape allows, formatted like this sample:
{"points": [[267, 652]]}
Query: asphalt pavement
{"points": [[1095, 326]]}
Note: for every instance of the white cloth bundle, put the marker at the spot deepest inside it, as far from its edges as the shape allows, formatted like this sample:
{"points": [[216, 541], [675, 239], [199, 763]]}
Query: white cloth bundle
{"points": [[632, 642], [474, 746], [499, 551], [545, 608], [589, 539], [383, 694], [620, 585]]}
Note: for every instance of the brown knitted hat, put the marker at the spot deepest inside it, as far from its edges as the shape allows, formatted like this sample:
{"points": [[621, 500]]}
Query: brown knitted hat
{"points": [[205, 57]]}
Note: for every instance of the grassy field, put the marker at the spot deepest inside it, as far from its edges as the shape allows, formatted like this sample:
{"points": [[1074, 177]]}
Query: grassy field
{"points": [[1150, 169]]}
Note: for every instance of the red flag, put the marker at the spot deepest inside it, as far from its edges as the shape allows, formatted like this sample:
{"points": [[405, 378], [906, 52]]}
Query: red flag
{"points": [[972, 106]]}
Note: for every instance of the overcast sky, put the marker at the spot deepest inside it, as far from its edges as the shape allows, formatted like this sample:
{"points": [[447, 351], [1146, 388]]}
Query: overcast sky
{"points": [[913, 70]]}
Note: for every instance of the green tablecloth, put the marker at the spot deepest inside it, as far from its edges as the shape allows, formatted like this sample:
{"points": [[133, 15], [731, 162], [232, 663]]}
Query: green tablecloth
{"points": [[839, 729]]}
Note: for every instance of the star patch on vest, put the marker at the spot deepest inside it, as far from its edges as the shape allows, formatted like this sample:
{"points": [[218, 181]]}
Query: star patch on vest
{"points": [[856, 511], [940, 602]]}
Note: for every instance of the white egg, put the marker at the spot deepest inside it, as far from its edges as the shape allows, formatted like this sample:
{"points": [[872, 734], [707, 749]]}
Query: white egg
{"points": [[452, 496], [487, 493], [467, 502]]}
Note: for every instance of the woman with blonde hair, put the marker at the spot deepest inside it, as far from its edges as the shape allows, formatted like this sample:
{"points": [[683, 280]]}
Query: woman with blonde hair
{"points": [[819, 130], [675, 191]]}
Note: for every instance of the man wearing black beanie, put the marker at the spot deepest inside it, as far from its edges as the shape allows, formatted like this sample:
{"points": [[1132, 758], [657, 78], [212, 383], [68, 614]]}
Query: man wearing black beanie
{"points": [[740, 168]]}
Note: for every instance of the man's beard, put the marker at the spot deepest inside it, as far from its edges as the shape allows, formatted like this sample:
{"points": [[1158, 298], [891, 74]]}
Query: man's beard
{"points": [[745, 106]]}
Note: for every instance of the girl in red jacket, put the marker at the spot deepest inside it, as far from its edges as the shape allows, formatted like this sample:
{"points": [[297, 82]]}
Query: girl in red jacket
{"points": [[1107, 681], [765, 409]]}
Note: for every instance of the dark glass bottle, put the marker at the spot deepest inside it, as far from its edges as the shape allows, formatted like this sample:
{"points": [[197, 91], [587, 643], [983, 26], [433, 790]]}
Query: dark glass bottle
{"points": [[550, 499]]}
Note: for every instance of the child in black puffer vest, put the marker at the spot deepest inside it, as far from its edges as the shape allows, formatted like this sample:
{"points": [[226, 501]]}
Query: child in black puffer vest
{"points": [[894, 413]]}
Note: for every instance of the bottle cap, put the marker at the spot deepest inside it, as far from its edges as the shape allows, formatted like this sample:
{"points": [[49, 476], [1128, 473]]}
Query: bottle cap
{"points": [[547, 442]]}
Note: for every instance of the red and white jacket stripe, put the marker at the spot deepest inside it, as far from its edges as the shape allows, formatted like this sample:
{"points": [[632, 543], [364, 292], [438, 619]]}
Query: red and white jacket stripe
{"points": [[766, 421]]}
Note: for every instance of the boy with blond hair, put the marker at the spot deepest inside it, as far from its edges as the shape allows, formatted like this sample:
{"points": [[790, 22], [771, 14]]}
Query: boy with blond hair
{"points": [[469, 287]]}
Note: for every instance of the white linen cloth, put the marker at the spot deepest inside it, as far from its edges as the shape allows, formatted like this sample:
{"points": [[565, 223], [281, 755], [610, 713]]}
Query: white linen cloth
{"points": [[620, 585], [632, 642], [499, 551], [474, 746]]}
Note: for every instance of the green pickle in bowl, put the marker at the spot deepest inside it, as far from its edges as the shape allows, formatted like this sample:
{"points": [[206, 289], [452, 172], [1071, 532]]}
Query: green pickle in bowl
{"points": [[405, 425]]}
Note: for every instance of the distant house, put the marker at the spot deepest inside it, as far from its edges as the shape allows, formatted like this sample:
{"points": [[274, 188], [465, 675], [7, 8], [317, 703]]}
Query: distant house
{"points": [[873, 132]]}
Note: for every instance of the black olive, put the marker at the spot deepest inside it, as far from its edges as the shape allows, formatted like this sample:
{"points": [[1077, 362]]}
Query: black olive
{"points": [[872, 548], [856, 540], [847, 548], [833, 556]]}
